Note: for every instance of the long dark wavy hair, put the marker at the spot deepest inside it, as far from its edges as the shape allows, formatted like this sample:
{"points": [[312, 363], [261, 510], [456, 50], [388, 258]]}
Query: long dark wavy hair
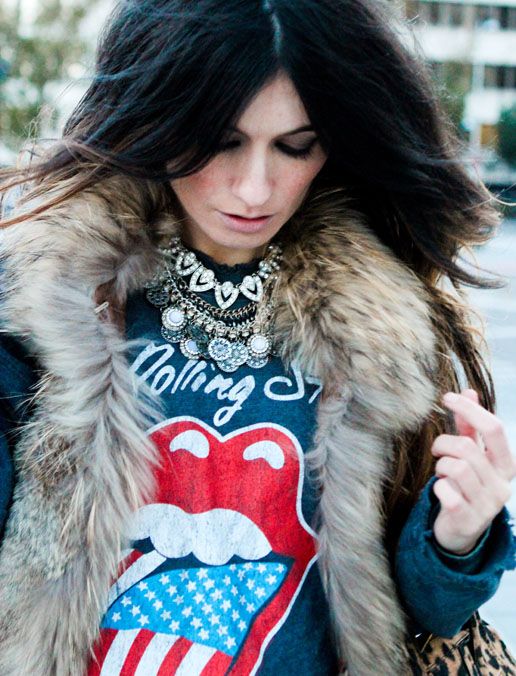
{"points": [[172, 76]]}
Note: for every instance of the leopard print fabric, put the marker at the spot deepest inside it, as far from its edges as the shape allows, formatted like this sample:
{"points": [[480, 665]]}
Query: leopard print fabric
{"points": [[477, 650]]}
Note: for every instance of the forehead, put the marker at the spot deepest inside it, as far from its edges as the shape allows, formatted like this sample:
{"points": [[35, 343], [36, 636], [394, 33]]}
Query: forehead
{"points": [[275, 110]]}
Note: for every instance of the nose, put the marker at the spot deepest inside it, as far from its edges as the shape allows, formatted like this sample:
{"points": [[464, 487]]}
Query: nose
{"points": [[253, 182]]}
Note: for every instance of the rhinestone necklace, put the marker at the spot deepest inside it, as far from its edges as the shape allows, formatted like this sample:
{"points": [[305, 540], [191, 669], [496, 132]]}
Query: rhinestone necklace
{"points": [[231, 338], [226, 293]]}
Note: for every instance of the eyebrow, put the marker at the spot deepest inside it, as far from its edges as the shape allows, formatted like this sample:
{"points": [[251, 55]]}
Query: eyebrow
{"points": [[298, 130]]}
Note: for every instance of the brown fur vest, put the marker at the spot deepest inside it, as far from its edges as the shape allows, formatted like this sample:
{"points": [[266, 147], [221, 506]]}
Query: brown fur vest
{"points": [[347, 310]]}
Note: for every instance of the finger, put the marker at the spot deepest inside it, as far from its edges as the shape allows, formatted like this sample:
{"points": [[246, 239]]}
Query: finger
{"points": [[489, 426], [464, 428], [464, 478], [464, 448], [449, 495]]}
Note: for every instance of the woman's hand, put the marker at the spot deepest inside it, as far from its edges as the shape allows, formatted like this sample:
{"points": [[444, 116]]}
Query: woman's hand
{"points": [[475, 469]]}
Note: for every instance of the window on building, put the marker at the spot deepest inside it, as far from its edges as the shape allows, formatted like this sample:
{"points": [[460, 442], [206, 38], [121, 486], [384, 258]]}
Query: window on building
{"points": [[511, 18], [434, 12], [487, 17], [456, 14], [509, 79], [500, 77], [489, 76]]}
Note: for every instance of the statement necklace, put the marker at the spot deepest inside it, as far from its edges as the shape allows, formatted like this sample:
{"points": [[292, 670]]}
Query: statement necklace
{"points": [[231, 338]]}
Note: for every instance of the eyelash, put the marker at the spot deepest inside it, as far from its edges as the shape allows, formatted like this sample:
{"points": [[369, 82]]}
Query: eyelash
{"points": [[298, 153]]}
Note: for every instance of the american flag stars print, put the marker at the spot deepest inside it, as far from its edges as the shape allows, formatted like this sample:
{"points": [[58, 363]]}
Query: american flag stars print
{"points": [[213, 606]]}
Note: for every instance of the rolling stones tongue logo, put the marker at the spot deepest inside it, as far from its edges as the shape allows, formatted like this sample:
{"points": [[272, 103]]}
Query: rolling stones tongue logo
{"points": [[218, 560]]}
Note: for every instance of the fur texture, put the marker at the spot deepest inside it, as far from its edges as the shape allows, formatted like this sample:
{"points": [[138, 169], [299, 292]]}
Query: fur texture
{"points": [[345, 309]]}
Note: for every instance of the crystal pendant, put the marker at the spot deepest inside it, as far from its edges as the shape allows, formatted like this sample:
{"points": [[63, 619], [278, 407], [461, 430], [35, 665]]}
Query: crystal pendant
{"points": [[239, 354], [257, 362], [190, 349], [227, 366], [225, 294], [202, 280], [172, 336], [219, 349], [174, 318], [186, 263], [158, 295], [259, 345], [252, 287]]}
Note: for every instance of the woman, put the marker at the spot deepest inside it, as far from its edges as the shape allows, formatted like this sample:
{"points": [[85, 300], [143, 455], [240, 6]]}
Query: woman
{"points": [[228, 272]]}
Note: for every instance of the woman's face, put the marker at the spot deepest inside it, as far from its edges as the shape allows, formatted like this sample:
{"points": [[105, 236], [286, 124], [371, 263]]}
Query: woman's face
{"points": [[264, 170]]}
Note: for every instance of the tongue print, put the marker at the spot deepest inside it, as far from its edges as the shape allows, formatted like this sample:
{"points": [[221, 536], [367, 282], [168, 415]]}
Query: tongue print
{"points": [[218, 558]]}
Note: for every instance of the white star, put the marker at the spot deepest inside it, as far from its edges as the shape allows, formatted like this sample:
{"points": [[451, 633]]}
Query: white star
{"points": [[158, 605], [271, 579], [243, 600], [198, 597], [248, 566], [164, 579], [225, 605], [250, 608], [126, 601], [172, 590], [135, 610], [235, 615], [187, 611], [280, 567], [250, 584], [260, 592], [191, 586], [174, 625], [150, 595], [207, 608], [143, 619], [222, 630], [230, 642], [166, 615], [202, 573], [209, 584], [232, 567], [241, 574], [184, 575], [214, 619], [227, 580], [216, 595], [234, 590], [142, 586], [196, 623], [116, 617], [262, 568], [241, 625], [179, 600], [204, 634]]}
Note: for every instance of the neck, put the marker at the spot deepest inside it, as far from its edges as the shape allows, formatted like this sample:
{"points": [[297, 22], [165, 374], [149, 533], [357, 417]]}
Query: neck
{"points": [[221, 254]]}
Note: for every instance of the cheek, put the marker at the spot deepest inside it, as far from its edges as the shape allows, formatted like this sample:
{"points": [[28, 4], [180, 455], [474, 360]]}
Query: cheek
{"points": [[200, 186], [296, 183]]}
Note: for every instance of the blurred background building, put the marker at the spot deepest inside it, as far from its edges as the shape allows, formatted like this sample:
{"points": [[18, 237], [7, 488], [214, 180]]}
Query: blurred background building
{"points": [[471, 47]]}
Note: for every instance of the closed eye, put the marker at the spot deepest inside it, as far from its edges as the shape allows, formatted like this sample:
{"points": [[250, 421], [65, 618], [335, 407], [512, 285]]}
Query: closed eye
{"points": [[301, 152], [268, 451]]}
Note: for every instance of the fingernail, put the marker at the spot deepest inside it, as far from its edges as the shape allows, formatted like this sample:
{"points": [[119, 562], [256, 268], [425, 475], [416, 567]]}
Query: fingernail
{"points": [[450, 397]]}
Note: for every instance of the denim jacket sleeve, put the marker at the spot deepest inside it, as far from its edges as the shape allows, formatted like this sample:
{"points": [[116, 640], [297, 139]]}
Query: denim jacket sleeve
{"points": [[438, 590], [18, 374]]}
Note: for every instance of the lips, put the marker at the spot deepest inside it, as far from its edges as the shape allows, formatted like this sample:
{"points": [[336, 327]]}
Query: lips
{"points": [[225, 542], [242, 224]]}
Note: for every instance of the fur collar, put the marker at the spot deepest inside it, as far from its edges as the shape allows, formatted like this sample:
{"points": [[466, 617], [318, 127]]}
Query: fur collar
{"points": [[347, 310]]}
